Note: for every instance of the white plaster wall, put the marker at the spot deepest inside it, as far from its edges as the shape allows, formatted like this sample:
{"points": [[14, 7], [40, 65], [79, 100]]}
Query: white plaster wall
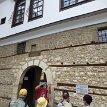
{"points": [[55, 28], [51, 14], [2, 1]]}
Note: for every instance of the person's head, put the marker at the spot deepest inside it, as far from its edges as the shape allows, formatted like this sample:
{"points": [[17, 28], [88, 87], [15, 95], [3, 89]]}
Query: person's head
{"points": [[41, 102], [23, 93], [87, 99], [66, 96], [43, 84]]}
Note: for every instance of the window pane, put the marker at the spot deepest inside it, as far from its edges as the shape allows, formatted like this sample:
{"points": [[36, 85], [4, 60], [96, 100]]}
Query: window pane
{"points": [[100, 39], [33, 15], [35, 5], [37, 9], [17, 17], [35, 1], [68, 3], [19, 12], [106, 32], [23, 11], [66, 0], [102, 35], [19, 7], [40, 3], [80, 0], [17, 21], [72, 2], [21, 2], [39, 13], [104, 39]]}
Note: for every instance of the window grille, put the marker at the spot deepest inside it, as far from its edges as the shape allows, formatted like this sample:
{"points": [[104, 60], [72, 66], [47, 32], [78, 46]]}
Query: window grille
{"points": [[102, 35], [21, 48], [19, 11], [36, 9], [69, 3]]}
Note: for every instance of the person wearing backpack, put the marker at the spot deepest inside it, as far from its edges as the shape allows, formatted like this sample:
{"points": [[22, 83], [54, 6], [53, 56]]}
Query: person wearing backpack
{"points": [[65, 102], [20, 101]]}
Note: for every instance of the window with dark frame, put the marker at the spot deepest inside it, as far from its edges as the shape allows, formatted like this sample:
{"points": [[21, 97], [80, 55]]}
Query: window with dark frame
{"points": [[19, 11], [36, 9], [70, 3], [102, 35], [21, 48]]}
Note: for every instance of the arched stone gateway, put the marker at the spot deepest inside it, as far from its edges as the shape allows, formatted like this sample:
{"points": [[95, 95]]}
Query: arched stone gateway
{"points": [[24, 68]]}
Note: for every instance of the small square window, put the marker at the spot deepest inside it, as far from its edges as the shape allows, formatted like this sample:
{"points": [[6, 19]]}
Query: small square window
{"points": [[21, 48], [3, 20]]}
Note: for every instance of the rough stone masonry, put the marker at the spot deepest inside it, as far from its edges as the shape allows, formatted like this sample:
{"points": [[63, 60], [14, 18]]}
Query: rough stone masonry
{"points": [[79, 47]]}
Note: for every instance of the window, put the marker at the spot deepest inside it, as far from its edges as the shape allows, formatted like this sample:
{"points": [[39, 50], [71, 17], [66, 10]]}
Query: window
{"points": [[102, 35], [70, 3], [3, 20], [18, 16], [36, 9], [21, 48]]}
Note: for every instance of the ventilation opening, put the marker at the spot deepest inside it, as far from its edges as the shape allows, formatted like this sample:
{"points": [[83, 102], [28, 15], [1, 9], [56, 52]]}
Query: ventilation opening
{"points": [[21, 48], [3, 20]]}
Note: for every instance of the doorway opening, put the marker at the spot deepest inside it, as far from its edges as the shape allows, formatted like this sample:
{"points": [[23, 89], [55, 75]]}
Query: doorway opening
{"points": [[30, 80]]}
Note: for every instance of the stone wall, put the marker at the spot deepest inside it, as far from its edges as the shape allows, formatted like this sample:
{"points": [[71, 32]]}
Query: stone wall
{"points": [[73, 47]]}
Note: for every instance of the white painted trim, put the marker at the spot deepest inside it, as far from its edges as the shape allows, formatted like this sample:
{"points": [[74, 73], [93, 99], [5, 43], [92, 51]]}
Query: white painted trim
{"points": [[73, 24]]}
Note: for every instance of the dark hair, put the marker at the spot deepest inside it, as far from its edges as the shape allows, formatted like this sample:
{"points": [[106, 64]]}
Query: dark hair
{"points": [[42, 86], [87, 98], [65, 94]]}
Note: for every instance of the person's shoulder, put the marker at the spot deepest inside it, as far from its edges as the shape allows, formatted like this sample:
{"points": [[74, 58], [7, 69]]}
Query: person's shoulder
{"points": [[68, 104], [59, 104]]}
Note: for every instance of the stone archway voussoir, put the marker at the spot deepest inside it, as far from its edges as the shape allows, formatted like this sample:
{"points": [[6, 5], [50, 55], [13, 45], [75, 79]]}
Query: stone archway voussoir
{"points": [[49, 75], [30, 63], [43, 65], [36, 62], [25, 66]]}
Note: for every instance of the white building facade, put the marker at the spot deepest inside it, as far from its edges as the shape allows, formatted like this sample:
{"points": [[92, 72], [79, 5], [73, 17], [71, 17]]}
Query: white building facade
{"points": [[66, 39]]}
